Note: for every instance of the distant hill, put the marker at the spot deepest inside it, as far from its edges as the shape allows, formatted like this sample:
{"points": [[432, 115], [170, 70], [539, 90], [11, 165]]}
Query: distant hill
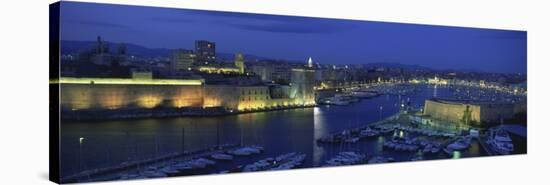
{"points": [[74, 47]]}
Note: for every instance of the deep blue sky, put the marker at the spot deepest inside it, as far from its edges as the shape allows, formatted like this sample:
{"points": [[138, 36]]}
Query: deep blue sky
{"points": [[327, 41]]}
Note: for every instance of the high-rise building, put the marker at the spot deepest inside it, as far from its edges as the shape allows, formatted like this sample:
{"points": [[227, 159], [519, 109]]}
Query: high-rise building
{"points": [[205, 52], [239, 62], [182, 59]]}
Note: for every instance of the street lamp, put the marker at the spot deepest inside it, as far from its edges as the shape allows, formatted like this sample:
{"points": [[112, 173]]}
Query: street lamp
{"points": [[80, 141]]}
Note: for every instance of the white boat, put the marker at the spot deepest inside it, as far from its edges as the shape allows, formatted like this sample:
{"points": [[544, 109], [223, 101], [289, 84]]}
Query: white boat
{"points": [[169, 170], [221, 156], [363, 94], [345, 158], [499, 140], [290, 162], [201, 163], [130, 176], [206, 161], [460, 144], [368, 132], [181, 166], [336, 100], [258, 166], [152, 174], [281, 162], [417, 158], [380, 159], [247, 150]]}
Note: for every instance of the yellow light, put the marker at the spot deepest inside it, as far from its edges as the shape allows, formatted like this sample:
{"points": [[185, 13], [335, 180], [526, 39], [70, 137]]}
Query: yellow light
{"points": [[112, 98], [149, 101], [212, 102], [209, 69]]}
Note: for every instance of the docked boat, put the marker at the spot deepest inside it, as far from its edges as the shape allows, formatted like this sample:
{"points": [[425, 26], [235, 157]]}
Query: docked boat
{"points": [[380, 159], [417, 158], [220, 156], [363, 94], [182, 166], [152, 174], [169, 170], [281, 162], [401, 145], [368, 132], [500, 141], [290, 162], [338, 99], [247, 150], [461, 143], [346, 158]]}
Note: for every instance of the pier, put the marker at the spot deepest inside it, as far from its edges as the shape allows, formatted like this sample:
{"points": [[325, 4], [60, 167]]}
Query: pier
{"points": [[111, 173]]}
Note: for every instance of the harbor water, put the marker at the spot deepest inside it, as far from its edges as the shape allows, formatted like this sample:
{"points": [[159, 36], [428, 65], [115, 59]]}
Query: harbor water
{"points": [[108, 143]]}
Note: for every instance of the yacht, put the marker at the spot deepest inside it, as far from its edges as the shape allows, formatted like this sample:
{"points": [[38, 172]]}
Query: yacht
{"points": [[220, 156], [346, 158], [461, 143], [336, 100], [499, 140]]}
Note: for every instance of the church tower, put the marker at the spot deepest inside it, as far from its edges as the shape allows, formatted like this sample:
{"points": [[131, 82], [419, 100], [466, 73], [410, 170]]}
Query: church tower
{"points": [[239, 62]]}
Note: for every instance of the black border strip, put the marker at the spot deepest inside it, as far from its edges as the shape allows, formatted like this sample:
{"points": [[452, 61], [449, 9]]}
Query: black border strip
{"points": [[54, 13]]}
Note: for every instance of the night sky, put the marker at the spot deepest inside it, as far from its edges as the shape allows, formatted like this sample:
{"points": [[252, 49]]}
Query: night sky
{"points": [[327, 41]]}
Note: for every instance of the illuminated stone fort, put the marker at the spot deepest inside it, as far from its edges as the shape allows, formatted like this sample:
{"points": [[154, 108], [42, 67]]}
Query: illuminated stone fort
{"points": [[144, 92], [471, 112]]}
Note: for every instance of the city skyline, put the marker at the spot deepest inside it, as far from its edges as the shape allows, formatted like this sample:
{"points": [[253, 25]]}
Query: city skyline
{"points": [[297, 38]]}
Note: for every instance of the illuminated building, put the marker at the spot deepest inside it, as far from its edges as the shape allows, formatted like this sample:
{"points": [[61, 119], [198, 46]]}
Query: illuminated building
{"points": [[239, 62], [144, 92], [301, 86], [253, 97], [470, 112], [117, 93], [181, 60], [219, 70], [264, 71], [205, 52], [272, 71], [437, 81], [238, 68]]}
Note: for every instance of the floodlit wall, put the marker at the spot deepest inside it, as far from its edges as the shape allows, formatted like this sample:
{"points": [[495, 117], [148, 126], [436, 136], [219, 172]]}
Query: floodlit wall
{"points": [[480, 112], [89, 93], [104, 94], [221, 95], [450, 111]]}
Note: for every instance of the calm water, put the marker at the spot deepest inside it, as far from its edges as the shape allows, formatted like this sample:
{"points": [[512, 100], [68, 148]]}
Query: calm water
{"points": [[108, 143]]}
